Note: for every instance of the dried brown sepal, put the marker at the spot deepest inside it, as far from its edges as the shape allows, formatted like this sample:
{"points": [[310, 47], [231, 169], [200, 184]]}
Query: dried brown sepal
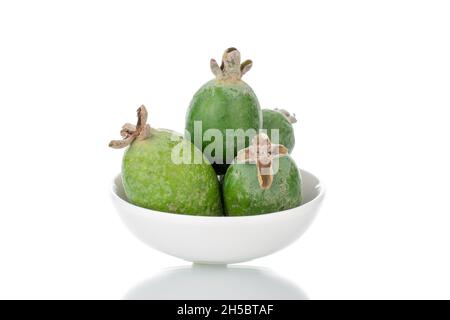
{"points": [[119, 144], [243, 155], [279, 150], [262, 153], [246, 66], [265, 174], [145, 133], [215, 69], [130, 132], [127, 130]]}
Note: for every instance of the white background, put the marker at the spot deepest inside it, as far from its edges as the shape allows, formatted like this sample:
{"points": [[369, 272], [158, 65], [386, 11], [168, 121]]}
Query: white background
{"points": [[368, 80]]}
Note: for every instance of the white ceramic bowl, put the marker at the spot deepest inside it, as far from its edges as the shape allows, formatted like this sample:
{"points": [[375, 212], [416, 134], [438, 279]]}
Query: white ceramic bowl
{"points": [[220, 240]]}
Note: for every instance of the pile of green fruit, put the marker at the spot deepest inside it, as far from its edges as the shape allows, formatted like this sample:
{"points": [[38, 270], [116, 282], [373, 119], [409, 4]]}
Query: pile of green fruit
{"points": [[245, 170]]}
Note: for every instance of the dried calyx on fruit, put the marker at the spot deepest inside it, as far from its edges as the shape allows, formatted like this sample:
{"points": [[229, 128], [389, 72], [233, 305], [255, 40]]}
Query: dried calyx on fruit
{"points": [[224, 103], [151, 178], [280, 120], [290, 117], [262, 153], [263, 178], [130, 131], [231, 68]]}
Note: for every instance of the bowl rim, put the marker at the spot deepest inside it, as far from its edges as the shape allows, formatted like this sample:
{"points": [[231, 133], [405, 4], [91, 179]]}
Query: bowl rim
{"points": [[320, 186]]}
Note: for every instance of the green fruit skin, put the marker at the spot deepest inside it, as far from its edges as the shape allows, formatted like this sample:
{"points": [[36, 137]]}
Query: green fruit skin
{"points": [[224, 105], [273, 119], [243, 196], [152, 180]]}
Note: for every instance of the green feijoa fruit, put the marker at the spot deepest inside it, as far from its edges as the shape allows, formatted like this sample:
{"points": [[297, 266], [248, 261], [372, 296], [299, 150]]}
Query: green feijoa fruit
{"points": [[282, 121], [262, 179], [222, 110], [156, 176]]}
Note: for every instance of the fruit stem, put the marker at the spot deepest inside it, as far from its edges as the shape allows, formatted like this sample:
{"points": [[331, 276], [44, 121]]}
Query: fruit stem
{"points": [[262, 152], [130, 132], [231, 68]]}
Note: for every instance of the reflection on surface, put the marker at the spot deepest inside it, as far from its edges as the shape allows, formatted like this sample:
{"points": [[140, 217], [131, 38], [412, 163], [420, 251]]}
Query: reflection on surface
{"points": [[216, 282]]}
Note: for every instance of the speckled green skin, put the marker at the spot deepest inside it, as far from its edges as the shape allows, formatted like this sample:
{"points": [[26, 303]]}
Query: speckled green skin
{"points": [[224, 105], [151, 180], [243, 196], [276, 120]]}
